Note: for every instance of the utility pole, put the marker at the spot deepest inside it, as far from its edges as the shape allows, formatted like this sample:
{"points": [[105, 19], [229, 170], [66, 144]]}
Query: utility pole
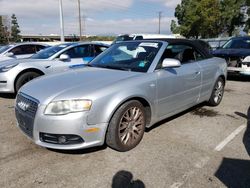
{"points": [[160, 14], [84, 25], [61, 21], [80, 20]]}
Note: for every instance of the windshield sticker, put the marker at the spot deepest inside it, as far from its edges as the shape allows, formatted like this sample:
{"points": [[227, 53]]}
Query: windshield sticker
{"points": [[149, 44], [142, 64]]}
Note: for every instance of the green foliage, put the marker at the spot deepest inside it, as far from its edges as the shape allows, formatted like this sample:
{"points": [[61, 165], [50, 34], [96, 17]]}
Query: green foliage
{"points": [[3, 32], [174, 28], [231, 16], [15, 31], [247, 23], [207, 18]]}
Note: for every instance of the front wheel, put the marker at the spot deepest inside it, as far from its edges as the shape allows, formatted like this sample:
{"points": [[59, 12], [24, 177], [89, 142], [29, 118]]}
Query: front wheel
{"points": [[127, 126], [24, 78], [217, 93]]}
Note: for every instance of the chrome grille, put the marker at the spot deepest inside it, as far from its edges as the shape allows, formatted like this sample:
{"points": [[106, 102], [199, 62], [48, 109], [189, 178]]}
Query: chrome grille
{"points": [[31, 110], [25, 110]]}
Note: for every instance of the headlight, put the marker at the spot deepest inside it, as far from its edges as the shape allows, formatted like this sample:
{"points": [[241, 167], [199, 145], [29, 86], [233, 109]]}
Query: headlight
{"points": [[66, 107], [7, 67]]}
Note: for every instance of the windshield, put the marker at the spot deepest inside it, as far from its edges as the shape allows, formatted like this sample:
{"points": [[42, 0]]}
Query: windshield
{"points": [[237, 43], [4, 48], [130, 56], [48, 52]]}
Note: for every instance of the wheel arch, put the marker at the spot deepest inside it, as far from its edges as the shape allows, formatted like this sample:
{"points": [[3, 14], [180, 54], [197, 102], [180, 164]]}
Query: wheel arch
{"points": [[25, 71], [143, 101]]}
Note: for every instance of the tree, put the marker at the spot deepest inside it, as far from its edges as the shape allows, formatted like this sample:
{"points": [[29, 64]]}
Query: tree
{"points": [[207, 18], [247, 21], [231, 15], [3, 32], [15, 37]]}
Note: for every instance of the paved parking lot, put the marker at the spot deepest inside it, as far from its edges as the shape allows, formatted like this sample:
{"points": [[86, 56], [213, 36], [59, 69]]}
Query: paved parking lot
{"points": [[202, 147]]}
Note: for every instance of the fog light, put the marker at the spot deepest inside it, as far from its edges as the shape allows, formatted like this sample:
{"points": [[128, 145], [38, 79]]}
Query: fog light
{"points": [[62, 139]]}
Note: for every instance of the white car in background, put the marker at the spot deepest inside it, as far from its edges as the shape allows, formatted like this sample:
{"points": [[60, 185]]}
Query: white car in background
{"points": [[15, 73], [129, 37], [20, 50]]}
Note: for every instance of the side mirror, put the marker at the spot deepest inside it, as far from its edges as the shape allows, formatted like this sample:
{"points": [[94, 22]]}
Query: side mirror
{"points": [[246, 59], [170, 63], [9, 54], [64, 57]]}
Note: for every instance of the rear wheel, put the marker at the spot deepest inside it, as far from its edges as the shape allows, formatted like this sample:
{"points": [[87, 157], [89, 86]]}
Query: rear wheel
{"points": [[24, 78], [217, 93], [127, 126]]}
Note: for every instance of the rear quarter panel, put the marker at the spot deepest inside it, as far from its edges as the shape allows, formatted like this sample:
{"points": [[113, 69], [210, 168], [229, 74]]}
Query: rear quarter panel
{"points": [[211, 69]]}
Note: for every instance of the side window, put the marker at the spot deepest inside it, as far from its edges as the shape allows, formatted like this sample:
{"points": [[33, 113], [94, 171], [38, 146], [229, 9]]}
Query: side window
{"points": [[198, 56], [99, 49], [78, 51], [39, 47], [24, 49], [184, 53]]}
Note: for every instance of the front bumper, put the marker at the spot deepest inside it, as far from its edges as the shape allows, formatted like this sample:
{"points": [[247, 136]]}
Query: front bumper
{"points": [[239, 70], [6, 83], [70, 124]]}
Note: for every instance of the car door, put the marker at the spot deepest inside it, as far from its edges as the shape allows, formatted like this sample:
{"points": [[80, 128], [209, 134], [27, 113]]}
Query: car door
{"points": [[76, 54], [178, 88]]}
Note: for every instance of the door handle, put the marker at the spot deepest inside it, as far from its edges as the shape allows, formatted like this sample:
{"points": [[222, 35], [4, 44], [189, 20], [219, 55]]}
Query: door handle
{"points": [[198, 73]]}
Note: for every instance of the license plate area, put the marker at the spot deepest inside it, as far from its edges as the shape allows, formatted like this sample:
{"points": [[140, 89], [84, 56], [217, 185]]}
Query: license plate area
{"points": [[25, 123]]}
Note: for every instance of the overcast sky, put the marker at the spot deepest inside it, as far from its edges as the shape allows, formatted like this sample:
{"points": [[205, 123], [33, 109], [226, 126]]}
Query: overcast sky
{"points": [[102, 17]]}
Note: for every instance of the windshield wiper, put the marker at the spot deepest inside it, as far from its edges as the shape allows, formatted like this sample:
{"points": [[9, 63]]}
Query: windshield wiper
{"points": [[89, 65], [114, 67]]}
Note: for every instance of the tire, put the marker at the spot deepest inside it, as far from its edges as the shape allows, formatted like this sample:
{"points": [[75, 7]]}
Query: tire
{"points": [[217, 93], [24, 78], [127, 126]]}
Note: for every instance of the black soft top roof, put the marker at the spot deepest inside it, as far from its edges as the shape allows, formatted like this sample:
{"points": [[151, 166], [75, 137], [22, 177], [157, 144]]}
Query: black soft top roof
{"points": [[194, 43]]}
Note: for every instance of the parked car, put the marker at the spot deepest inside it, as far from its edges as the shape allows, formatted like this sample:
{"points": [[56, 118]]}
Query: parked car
{"points": [[236, 51], [118, 94], [128, 37], [20, 50], [15, 73]]}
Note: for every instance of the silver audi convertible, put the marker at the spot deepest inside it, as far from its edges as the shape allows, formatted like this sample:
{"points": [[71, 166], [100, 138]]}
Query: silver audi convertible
{"points": [[127, 88]]}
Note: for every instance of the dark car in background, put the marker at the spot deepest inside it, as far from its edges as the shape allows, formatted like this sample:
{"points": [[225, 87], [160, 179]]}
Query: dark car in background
{"points": [[236, 51]]}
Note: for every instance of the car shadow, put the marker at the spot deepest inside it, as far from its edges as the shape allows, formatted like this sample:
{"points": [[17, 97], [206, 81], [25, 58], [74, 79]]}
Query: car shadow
{"points": [[246, 137], [234, 173], [7, 95], [80, 151], [196, 110], [241, 78], [124, 179]]}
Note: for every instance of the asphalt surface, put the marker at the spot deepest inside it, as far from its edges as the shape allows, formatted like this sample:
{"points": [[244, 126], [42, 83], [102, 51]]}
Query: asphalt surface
{"points": [[178, 152]]}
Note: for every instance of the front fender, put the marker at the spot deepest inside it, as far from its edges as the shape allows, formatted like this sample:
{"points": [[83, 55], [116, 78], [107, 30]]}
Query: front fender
{"points": [[103, 108]]}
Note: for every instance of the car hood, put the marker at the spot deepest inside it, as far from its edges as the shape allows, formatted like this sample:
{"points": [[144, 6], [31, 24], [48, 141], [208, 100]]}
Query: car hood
{"points": [[231, 52], [74, 84]]}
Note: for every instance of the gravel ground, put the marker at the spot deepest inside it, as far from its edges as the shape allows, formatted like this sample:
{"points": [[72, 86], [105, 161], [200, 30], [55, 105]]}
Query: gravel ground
{"points": [[178, 152]]}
